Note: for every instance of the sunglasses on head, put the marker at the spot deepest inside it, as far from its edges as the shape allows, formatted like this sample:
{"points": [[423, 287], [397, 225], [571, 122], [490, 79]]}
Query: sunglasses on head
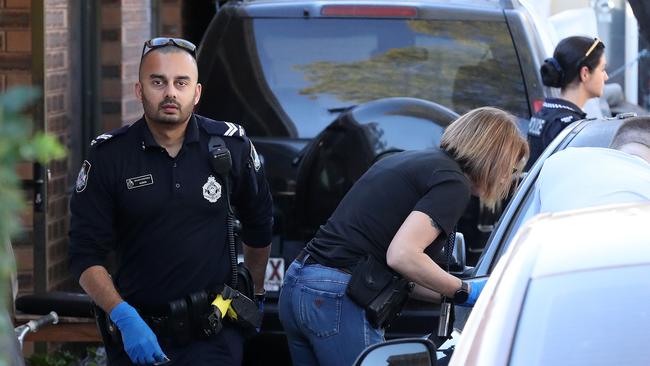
{"points": [[160, 42]]}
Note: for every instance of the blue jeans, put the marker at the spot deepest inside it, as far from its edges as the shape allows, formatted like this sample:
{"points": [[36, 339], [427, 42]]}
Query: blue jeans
{"points": [[324, 327]]}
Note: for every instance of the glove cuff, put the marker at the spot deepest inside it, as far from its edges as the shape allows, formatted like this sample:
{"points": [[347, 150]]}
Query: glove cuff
{"points": [[121, 312]]}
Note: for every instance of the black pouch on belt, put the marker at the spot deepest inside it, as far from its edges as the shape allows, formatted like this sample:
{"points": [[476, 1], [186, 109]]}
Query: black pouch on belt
{"points": [[379, 290], [368, 279]]}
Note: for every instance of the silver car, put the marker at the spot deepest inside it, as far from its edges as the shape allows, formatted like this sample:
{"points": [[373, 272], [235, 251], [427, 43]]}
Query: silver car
{"points": [[572, 289]]}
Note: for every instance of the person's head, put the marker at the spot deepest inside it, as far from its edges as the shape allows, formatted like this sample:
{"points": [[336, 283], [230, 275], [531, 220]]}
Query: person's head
{"points": [[577, 62], [168, 80], [490, 150], [633, 135]]}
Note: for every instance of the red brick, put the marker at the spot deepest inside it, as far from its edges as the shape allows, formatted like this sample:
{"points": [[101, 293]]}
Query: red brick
{"points": [[25, 170], [18, 78], [26, 4], [111, 16], [19, 41], [111, 88], [2, 41], [111, 53], [15, 61], [24, 258], [170, 14], [14, 19]]}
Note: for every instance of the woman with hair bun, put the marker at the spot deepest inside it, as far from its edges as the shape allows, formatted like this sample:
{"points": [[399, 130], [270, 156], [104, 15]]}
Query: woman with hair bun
{"points": [[578, 69]]}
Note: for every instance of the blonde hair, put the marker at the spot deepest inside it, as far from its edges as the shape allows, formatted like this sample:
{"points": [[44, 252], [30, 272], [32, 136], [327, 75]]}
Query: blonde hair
{"points": [[490, 150]]}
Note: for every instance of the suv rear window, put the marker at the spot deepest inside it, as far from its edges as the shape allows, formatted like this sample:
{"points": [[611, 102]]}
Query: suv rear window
{"points": [[318, 67]]}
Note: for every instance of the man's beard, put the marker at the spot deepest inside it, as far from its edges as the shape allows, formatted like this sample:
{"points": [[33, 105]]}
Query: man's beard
{"points": [[155, 114]]}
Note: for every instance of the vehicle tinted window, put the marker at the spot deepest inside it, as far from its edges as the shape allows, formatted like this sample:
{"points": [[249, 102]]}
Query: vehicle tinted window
{"points": [[318, 67], [586, 318]]}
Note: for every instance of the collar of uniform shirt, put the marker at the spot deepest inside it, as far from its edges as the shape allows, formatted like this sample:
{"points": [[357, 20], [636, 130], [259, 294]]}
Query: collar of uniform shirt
{"points": [[191, 133]]}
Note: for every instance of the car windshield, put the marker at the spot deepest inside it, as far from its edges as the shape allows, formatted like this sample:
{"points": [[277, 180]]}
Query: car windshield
{"points": [[317, 68], [597, 317]]}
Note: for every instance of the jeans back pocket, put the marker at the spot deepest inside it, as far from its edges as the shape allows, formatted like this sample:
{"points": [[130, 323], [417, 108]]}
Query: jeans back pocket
{"points": [[320, 310]]}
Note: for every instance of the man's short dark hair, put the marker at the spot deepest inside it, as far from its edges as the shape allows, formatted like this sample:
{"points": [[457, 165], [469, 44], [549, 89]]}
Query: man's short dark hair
{"points": [[633, 130], [165, 49]]}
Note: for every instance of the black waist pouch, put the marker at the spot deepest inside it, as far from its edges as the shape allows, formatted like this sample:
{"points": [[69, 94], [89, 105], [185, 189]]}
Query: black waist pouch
{"points": [[379, 290]]}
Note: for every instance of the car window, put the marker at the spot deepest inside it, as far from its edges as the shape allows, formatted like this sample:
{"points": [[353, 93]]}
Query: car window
{"points": [[597, 317], [317, 68]]}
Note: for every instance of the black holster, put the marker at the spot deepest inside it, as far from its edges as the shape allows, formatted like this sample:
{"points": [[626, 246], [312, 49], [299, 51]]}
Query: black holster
{"points": [[379, 290], [248, 316]]}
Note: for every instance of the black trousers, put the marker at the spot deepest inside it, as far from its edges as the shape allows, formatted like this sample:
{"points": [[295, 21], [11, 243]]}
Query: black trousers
{"points": [[225, 348]]}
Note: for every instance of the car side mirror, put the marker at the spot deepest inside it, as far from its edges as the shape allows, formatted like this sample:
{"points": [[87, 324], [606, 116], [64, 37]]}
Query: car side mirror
{"points": [[406, 351]]}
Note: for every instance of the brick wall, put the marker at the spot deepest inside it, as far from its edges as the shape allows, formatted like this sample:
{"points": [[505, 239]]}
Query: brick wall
{"points": [[170, 17], [57, 77], [125, 26], [16, 69]]}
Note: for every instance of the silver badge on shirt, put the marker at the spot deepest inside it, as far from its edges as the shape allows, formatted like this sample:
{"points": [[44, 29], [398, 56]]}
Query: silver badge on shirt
{"points": [[212, 190]]}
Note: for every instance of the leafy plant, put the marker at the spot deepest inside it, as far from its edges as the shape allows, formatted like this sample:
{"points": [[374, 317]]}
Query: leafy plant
{"points": [[18, 143], [59, 358]]}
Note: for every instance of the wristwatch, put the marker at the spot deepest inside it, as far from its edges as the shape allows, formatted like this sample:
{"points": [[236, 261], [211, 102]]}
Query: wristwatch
{"points": [[461, 295]]}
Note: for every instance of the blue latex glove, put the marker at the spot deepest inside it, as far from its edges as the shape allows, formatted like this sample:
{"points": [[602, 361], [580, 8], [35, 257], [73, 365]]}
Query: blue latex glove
{"points": [[140, 343], [475, 289]]}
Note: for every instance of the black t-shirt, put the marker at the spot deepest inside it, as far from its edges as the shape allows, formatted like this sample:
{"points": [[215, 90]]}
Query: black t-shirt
{"points": [[370, 214]]}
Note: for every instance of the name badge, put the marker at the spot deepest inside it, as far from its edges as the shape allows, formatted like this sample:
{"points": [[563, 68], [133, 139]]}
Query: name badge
{"points": [[141, 181]]}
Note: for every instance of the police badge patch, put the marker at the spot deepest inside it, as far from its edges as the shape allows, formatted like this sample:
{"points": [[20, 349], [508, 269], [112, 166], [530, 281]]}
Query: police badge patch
{"points": [[82, 178], [212, 190]]}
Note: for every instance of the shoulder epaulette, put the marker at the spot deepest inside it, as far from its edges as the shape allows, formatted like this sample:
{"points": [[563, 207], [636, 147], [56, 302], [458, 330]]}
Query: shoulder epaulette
{"points": [[220, 128], [109, 135]]}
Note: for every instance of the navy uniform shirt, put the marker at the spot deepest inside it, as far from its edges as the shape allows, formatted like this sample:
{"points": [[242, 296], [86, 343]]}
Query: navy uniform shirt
{"points": [[545, 125], [370, 214], [165, 217]]}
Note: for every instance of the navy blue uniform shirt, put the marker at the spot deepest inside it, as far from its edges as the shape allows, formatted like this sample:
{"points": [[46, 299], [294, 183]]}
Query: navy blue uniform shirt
{"points": [[545, 125], [165, 217]]}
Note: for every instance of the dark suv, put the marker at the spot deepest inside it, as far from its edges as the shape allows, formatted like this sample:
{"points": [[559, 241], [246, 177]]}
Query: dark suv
{"points": [[326, 88]]}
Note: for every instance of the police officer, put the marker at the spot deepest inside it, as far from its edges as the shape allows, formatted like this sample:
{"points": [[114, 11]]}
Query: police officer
{"points": [[395, 218], [578, 69], [148, 192]]}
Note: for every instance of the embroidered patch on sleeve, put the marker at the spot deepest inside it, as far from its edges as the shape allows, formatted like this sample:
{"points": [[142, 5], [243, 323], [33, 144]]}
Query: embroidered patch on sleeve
{"points": [[82, 178], [257, 163]]}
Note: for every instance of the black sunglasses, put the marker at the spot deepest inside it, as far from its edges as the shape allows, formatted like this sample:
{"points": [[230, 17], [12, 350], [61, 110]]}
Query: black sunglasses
{"points": [[160, 42]]}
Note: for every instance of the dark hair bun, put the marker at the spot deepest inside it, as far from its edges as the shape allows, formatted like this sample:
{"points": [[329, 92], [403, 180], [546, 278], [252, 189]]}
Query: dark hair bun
{"points": [[552, 73]]}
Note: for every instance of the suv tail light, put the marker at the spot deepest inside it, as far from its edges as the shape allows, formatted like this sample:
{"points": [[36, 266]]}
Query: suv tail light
{"points": [[369, 11]]}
